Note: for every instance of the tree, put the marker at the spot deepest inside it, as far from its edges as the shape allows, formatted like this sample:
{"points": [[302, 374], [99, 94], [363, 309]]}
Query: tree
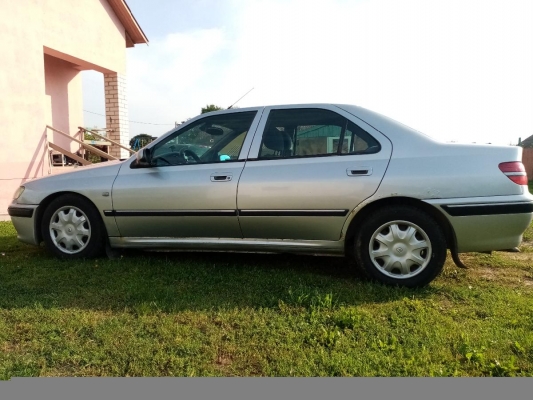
{"points": [[139, 141], [210, 107]]}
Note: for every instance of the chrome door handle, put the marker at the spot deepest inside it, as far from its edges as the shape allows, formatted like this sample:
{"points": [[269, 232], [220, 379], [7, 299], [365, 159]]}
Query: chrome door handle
{"points": [[359, 171], [221, 177]]}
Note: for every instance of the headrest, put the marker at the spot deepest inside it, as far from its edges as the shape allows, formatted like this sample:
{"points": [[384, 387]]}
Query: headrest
{"points": [[276, 140]]}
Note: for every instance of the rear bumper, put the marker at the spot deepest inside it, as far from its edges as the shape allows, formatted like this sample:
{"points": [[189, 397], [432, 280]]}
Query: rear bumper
{"points": [[487, 224], [23, 218], [469, 210]]}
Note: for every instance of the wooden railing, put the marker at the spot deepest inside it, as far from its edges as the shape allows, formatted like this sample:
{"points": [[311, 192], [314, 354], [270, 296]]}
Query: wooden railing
{"points": [[86, 146], [79, 159], [79, 139]]}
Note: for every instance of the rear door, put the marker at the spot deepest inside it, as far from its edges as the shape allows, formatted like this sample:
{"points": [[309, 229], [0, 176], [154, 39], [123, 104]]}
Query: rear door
{"points": [[308, 167]]}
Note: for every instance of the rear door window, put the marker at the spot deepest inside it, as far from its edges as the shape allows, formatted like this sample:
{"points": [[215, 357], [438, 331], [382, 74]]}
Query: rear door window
{"points": [[311, 132]]}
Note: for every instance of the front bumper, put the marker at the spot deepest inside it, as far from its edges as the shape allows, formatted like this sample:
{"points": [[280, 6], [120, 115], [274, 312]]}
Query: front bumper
{"points": [[19, 211], [23, 218]]}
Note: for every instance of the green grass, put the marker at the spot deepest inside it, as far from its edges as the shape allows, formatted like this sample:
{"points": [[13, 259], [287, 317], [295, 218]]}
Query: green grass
{"points": [[208, 314]]}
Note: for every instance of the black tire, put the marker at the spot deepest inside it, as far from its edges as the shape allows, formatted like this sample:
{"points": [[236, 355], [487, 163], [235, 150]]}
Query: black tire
{"points": [[72, 228], [401, 246]]}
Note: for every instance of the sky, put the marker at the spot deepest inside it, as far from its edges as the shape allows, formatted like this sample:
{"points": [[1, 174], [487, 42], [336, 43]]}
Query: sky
{"points": [[460, 71]]}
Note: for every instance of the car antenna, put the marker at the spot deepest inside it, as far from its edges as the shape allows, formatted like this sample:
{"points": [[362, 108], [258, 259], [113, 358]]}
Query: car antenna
{"points": [[240, 98]]}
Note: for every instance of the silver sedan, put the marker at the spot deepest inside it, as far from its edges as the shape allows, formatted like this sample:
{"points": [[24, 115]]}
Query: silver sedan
{"points": [[313, 179]]}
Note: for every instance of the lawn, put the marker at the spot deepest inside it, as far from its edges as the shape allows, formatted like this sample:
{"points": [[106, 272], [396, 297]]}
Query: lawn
{"points": [[208, 314]]}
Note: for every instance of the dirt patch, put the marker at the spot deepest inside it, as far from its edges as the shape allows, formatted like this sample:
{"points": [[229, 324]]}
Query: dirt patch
{"points": [[520, 256], [528, 280], [487, 273], [526, 246], [223, 361], [9, 347], [509, 276]]}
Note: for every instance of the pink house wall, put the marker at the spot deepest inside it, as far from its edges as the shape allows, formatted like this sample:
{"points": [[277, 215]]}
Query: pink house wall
{"points": [[44, 46], [63, 95], [85, 29]]}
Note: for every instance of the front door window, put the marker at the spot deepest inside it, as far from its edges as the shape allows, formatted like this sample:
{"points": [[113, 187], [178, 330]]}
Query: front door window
{"points": [[209, 140]]}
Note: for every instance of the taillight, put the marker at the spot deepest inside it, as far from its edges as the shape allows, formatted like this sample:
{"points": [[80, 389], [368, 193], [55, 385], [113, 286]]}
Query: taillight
{"points": [[515, 171]]}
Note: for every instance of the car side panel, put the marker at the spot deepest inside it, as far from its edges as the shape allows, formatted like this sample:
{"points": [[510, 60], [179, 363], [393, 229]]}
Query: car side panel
{"points": [[306, 198]]}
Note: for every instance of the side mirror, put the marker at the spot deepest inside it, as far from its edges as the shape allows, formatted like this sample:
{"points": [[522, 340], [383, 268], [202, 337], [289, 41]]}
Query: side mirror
{"points": [[144, 158], [224, 157]]}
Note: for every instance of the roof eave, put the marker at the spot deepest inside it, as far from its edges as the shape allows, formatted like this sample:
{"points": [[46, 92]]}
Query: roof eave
{"points": [[134, 32]]}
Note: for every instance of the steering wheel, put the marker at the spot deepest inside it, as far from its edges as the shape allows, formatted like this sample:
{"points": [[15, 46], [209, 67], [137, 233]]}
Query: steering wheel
{"points": [[171, 159], [186, 153]]}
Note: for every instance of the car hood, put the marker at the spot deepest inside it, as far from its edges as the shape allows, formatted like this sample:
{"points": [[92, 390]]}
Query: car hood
{"points": [[81, 171], [87, 181]]}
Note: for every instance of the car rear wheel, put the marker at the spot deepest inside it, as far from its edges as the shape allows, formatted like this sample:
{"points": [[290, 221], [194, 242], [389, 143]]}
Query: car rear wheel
{"points": [[401, 246], [72, 228]]}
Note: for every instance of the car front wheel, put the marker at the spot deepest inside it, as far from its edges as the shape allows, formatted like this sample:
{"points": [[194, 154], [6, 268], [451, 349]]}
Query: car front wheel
{"points": [[401, 246], [72, 228]]}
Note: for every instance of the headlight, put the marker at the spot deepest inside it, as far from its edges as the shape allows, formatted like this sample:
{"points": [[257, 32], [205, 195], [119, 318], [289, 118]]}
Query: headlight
{"points": [[18, 192]]}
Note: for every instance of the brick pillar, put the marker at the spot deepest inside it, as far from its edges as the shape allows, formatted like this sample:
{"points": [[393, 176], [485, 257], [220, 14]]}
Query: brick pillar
{"points": [[116, 110]]}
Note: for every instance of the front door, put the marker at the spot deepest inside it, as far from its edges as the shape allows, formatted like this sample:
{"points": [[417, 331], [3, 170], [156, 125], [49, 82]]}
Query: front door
{"points": [[308, 168], [190, 188]]}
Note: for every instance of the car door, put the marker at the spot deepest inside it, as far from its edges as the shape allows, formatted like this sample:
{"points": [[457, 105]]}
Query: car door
{"points": [[308, 167], [189, 189]]}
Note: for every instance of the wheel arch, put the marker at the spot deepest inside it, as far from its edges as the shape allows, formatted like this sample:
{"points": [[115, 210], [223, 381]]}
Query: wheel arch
{"points": [[364, 213], [46, 202]]}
